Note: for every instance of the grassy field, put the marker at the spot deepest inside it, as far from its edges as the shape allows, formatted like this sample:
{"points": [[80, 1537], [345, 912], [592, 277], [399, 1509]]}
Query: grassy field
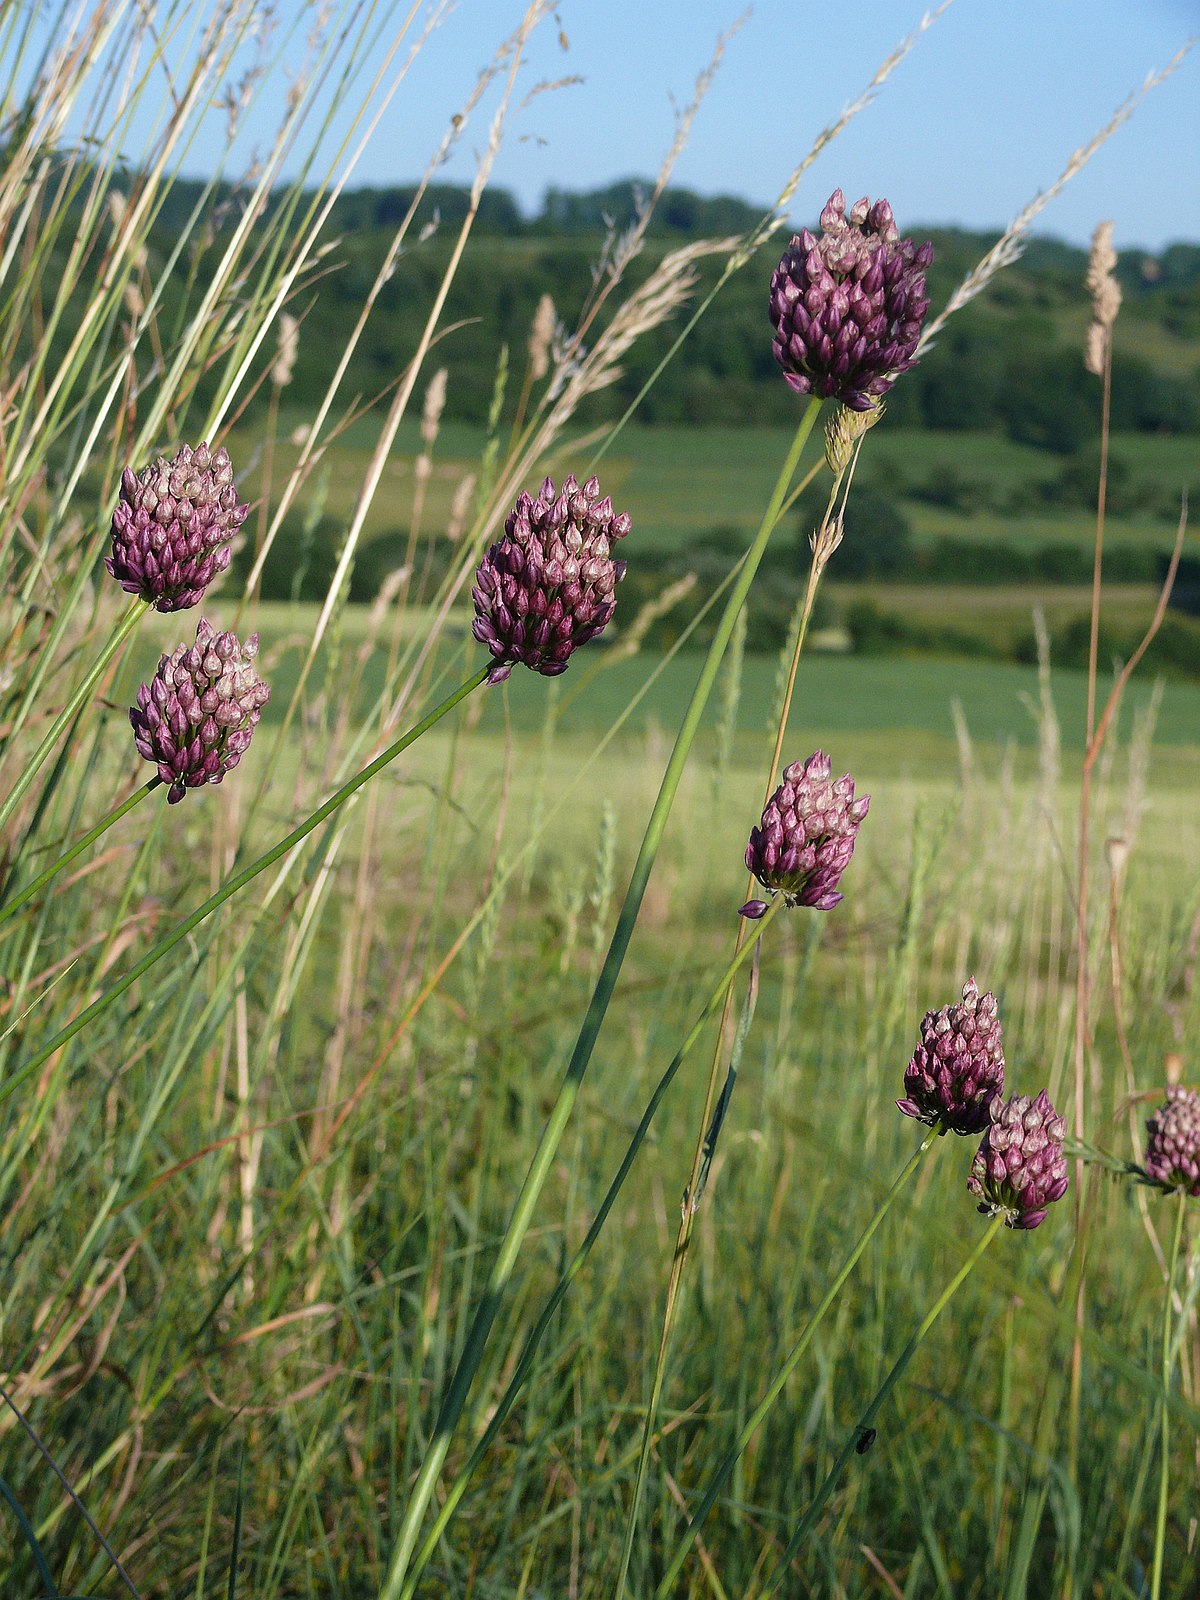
{"points": [[908, 702], [324, 1351], [366, 1229], [677, 483]]}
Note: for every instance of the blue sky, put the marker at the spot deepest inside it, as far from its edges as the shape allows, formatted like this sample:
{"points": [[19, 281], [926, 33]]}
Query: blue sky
{"points": [[984, 112]]}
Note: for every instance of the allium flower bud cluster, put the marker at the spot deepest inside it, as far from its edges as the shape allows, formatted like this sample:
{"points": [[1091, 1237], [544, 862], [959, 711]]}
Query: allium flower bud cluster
{"points": [[172, 526], [1019, 1169], [549, 585], [847, 305], [1173, 1142], [806, 837], [958, 1067], [195, 718]]}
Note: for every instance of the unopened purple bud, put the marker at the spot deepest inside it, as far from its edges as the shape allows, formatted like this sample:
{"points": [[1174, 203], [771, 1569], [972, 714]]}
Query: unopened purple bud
{"points": [[172, 526], [549, 584], [1019, 1170], [858, 268], [1173, 1142], [958, 1067], [195, 718], [806, 836]]}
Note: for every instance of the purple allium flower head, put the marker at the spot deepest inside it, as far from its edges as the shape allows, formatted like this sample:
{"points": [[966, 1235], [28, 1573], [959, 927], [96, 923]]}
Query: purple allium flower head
{"points": [[195, 717], [958, 1067], [1019, 1169], [806, 837], [549, 585], [1173, 1142], [847, 306], [172, 526]]}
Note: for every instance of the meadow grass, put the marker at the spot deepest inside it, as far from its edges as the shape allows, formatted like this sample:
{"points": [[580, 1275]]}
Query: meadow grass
{"points": [[681, 482], [287, 1189], [902, 706], [364, 1257]]}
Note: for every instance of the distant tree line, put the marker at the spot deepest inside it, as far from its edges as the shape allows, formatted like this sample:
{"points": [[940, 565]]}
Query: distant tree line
{"points": [[1009, 362]]}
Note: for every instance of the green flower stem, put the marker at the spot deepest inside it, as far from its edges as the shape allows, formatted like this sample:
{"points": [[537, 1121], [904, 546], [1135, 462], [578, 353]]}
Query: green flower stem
{"points": [[458, 1488], [231, 886], [35, 1549], [859, 1432], [730, 1460], [485, 1315], [1164, 1464], [122, 632], [683, 1240], [12, 906]]}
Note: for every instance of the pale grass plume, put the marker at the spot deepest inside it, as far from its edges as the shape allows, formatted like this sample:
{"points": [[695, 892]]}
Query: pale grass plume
{"points": [[1009, 246], [435, 404], [631, 639], [1106, 298], [318, 439], [775, 218], [618, 251], [286, 350], [460, 505], [745, 247], [541, 337], [629, 244], [668, 289]]}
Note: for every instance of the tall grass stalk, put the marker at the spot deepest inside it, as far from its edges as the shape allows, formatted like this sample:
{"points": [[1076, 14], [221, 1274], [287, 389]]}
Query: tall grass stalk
{"points": [[1083, 1039], [539, 1168], [724, 1469], [83, 691], [232, 886], [862, 1437], [1166, 1368], [824, 542], [545, 1317], [9, 906]]}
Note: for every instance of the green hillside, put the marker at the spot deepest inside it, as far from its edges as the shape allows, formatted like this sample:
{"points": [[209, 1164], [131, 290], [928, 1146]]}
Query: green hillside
{"points": [[1009, 363]]}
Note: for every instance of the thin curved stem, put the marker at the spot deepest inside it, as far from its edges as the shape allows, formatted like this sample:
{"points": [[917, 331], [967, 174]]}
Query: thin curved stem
{"points": [[861, 1437], [459, 1387], [231, 886], [686, 1222], [1164, 1465], [559, 1292], [11, 907], [63, 720], [35, 1549], [731, 1458]]}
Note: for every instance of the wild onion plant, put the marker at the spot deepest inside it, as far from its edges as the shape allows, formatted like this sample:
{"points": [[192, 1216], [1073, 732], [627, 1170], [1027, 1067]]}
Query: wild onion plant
{"points": [[341, 1119]]}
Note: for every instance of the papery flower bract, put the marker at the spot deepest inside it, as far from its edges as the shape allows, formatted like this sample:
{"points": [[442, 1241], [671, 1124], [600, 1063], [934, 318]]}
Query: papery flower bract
{"points": [[958, 1067], [172, 526], [1173, 1142], [1019, 1169], [847, 305], [549, 585], [806, 836], [195, 717]]}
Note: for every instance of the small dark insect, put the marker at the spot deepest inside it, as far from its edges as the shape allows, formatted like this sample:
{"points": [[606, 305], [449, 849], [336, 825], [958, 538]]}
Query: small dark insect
{"points": [[865, 1440]]}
